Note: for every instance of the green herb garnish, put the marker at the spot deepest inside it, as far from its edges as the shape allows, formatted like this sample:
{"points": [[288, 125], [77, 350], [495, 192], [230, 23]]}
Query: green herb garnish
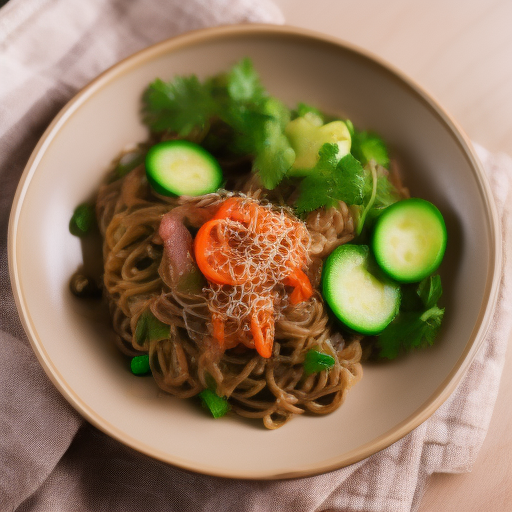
{"points": [[217, 405], [367, 146], [178, 106], [316, 361], [331, 181], [238, 100], [82, 220], [413, 327]]}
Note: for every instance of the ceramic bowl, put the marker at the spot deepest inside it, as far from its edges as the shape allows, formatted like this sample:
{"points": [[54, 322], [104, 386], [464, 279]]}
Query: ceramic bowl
{"points": [[73, 343]]}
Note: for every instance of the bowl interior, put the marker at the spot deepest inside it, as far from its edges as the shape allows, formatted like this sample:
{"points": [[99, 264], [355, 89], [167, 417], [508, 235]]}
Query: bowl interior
{"points": [[72, 339]]}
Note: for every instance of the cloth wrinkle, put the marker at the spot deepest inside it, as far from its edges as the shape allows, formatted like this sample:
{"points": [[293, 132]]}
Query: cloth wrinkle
{"points": [[50, 458]]}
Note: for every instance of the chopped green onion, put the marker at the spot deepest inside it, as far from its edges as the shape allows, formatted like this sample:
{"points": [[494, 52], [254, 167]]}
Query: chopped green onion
{"points": [[140, 365], [216, 404], [82, 220], [315, 362], [149, 328]]}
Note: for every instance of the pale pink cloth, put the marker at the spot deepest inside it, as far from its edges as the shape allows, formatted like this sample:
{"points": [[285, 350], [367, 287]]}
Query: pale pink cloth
{"points": [[50, 458]]}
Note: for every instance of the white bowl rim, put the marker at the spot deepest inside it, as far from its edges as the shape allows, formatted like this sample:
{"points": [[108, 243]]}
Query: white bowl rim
{"points": [[483, 321]]}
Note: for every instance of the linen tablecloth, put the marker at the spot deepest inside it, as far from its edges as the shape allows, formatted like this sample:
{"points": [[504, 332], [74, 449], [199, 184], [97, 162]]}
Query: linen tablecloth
{"points": [[50, 458]]}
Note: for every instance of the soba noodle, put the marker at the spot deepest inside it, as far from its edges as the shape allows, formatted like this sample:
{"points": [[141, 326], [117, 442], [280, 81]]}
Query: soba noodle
{"points": [[136, 278]]}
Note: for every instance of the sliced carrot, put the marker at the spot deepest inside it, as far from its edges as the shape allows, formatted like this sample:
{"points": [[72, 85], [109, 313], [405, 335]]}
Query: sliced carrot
{"points": [[228, 208], [301, 284], [243, 211], [206, 251], [262, 329]]}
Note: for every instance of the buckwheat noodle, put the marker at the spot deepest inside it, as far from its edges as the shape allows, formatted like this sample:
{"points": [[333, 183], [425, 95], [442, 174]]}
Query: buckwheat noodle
{"points": [[135, 279]]}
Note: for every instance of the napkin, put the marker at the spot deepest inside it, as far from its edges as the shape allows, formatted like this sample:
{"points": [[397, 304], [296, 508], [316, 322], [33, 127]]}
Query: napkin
{"points": [[50, 458]]}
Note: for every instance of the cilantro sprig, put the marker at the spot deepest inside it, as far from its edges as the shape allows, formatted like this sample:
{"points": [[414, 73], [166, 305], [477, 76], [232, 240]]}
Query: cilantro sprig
{"points": [[368, 146], [418, 322], [367, 189], [178, 106], [253, 123], [238, 100], [331, 181]]}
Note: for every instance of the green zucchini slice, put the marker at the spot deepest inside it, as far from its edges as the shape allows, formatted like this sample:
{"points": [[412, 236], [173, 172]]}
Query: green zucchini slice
{"points": [[409, 240], [360, 296], [182, 168]]}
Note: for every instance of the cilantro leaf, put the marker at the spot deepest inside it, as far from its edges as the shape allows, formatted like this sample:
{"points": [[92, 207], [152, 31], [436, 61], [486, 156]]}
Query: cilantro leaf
{"points": [[418, 321], [410, 330], [430, 290], [178, 106], [331, 181], [353, 180], [244, 84], [274, 157], [317, 188], [273, 152], [367, 146]]}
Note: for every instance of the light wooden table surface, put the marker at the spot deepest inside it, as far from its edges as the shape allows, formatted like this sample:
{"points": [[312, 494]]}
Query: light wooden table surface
{"points": [[461, 52]]}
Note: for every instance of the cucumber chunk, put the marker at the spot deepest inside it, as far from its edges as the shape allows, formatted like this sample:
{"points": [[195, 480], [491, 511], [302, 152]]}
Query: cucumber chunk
{"points": [[362, 298], [307, 135], [182, 168], [409, 240]]}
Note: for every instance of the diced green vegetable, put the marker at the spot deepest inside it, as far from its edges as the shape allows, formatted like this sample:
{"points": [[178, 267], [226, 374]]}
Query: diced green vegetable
{"points": [[139, 365], [307, 135], [316, 361], [362, 298], [82, 220], [409, 240], [217, 405], [180, 167], [149, 328]]}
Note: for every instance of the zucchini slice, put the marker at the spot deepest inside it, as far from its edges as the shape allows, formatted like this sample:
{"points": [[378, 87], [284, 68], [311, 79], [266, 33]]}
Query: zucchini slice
{"points": [[362, 298], [182, 168], [409, 240]]}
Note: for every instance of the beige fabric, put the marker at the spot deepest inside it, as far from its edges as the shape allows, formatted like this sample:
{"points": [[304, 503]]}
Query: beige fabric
{"points": [[50, 459]]}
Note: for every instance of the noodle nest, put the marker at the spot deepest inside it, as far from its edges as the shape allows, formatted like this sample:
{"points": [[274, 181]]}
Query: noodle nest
{"points": [[189, 359]]}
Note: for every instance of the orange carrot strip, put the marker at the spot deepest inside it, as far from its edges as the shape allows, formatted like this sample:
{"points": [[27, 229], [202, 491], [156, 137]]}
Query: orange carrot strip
{"points": [[204, 249], [227, 208], [263, 333], [301, 284]]}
